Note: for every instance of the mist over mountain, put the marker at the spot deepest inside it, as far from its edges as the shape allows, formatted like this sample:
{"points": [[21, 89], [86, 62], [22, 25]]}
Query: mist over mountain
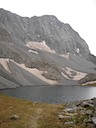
{"points": [[41, 51]]}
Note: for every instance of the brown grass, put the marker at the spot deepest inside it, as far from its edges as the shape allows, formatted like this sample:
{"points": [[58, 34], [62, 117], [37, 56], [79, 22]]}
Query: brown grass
{"points": [[32, 115], [89, 84]]}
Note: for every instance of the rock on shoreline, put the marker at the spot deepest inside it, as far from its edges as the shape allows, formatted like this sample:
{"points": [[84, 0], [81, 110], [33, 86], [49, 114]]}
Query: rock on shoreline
{"points": [[80, 111]]}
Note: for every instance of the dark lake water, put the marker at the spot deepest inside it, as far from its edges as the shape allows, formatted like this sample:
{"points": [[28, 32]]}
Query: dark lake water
{"points": [[52, 94]]}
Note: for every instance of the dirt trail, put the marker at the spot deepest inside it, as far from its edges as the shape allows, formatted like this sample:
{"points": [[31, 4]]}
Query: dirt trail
{"points": [[34, 119]]}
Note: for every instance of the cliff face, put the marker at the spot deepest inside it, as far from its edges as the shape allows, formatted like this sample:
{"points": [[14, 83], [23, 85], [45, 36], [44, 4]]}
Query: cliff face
{"points": [[44, 43], [58, 36]]}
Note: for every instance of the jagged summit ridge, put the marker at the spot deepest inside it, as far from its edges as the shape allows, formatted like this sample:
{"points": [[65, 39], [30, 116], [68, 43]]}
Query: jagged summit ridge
{"points": [[58, 36]]}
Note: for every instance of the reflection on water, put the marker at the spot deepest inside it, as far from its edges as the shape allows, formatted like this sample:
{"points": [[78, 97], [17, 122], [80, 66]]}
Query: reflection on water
{"points": [[92, 92], [53, 94]]}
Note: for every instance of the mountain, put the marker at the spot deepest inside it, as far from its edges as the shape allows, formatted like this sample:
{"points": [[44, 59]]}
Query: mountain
{"points": [[41, 51]]}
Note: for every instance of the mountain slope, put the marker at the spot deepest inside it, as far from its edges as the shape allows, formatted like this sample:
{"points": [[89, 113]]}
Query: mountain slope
{"points": [[41, 50]]}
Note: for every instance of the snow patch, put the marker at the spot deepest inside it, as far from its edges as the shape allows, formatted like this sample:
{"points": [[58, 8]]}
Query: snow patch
{"points": [[38, 35], [77, 50], [39, 45], [5, 64], [65, 76], [78, 76], [91, 82], [66, 56], [52, 23], [38, 74], [30, 50]]}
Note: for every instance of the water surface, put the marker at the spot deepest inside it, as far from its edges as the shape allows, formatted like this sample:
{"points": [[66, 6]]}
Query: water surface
{"points": [[53, 94]]}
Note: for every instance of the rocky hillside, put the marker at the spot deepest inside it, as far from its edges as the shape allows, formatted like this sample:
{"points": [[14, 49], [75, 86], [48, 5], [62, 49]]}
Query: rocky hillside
{"points": [[40, 51]]}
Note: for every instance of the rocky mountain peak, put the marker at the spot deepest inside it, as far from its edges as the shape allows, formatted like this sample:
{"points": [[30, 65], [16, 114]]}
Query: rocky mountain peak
{"points": [[41, 50], [58, 36]]}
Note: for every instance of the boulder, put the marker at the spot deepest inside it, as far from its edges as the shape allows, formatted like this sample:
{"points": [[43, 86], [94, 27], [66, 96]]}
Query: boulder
{"points": [[14, 117], [69, 123], [94, 120]]}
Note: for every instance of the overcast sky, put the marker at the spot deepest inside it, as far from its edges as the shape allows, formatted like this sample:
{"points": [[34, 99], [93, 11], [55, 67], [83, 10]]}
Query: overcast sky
{"points": [[80, 14]]}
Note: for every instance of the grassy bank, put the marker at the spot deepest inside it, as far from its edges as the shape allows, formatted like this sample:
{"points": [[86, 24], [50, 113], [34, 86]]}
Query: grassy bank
{"points": [[34, 115], [94, 84]]}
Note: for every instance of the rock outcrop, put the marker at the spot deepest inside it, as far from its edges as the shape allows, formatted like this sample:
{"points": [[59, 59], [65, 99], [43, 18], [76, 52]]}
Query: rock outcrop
{"points": [[43, 43], [88, 79], [78, 113]]}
